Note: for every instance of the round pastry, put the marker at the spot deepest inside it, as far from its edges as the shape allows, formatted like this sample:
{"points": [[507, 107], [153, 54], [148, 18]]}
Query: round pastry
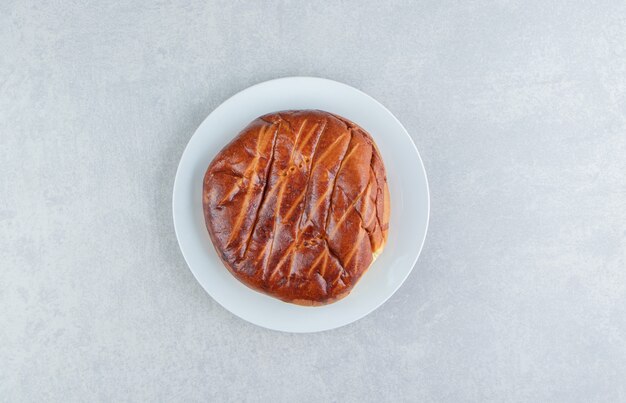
{"points": [[297, 205]]}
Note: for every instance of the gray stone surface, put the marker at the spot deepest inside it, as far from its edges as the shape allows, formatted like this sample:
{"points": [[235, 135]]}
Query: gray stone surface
{"points": [[518, 109]]}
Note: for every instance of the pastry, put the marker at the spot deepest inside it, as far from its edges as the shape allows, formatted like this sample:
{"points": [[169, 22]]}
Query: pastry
{"points": [[297, 205]]}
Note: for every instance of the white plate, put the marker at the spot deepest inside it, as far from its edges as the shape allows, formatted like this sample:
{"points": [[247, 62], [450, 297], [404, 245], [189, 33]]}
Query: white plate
{"points": [[408, 188]]}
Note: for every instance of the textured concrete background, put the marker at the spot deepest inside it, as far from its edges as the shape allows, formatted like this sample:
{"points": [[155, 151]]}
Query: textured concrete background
{"points": [[518, 109]]}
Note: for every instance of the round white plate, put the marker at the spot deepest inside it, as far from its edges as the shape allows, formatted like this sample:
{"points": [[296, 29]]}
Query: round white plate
{"points": [[408, 188]]}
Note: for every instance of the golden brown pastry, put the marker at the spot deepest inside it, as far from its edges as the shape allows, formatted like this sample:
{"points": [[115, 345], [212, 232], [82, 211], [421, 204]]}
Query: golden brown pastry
{"points": [[297, 205]]}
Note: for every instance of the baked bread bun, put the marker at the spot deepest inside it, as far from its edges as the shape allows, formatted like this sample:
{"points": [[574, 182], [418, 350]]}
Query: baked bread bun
{"points": [[297, 205]]}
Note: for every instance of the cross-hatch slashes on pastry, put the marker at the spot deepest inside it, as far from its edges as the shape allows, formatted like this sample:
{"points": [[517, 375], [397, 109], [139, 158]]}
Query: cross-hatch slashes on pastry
{"points": [[297, 205]]}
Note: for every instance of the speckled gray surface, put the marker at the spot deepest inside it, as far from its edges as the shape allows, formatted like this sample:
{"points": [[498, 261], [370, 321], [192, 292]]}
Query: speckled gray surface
{"points": [[518, 109]]}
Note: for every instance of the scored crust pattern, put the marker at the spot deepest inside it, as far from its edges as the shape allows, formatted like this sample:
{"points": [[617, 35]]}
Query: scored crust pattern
{"points": [[297, 205]]}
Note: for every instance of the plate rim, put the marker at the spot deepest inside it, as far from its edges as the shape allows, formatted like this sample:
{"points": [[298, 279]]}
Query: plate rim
{"points": [[250, 88]]}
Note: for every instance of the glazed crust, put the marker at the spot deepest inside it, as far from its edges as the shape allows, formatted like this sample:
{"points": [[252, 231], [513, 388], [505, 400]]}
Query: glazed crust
{"points": [[297, 205]]}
